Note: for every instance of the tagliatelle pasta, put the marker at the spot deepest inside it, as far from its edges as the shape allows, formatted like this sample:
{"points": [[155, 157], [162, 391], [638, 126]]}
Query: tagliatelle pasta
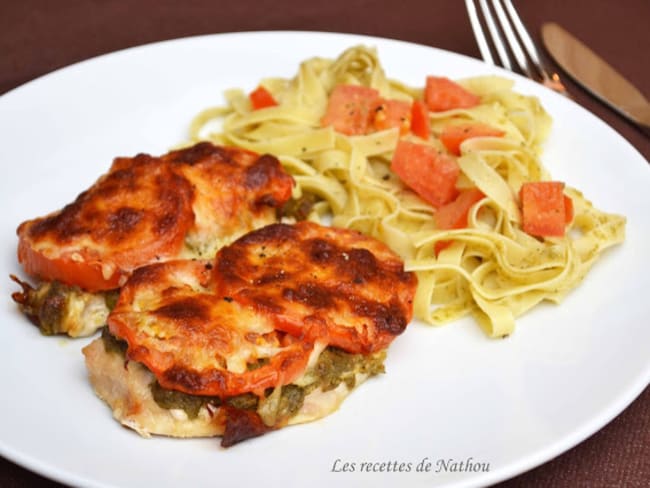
{"points": [[491, 269]]}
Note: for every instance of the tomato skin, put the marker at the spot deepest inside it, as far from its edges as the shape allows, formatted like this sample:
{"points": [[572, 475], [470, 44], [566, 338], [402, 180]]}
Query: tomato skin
{"points": [[441, 246], [431, 174], [142, 210], [543, 208], [351, 109], [86, 274], [322, 284], [136, 212], [568, 209], [454, 214], [420, 123], [261, 98], [453, 136], [442, 94], [393, 113]]}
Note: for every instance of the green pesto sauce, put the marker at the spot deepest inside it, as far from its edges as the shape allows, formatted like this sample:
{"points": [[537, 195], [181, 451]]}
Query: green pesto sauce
{"points": [[245, 401], [48, 304], [112, 344], [291, 401], [333, 367], [110, 297], [191, 404], [51, 302], [299, 208], [171, 399]]}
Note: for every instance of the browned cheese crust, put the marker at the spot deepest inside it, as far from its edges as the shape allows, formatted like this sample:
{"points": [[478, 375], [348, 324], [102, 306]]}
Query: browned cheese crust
{"points": [[320, 282], [197, 341], [147, 209]]}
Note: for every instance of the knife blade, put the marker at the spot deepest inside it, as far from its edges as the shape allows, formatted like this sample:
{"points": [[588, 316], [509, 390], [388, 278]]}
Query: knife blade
{"points": [[596, 75]]}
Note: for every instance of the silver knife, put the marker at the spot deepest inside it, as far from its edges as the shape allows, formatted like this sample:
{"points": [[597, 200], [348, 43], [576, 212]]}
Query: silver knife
{"points": [[594, 74]]}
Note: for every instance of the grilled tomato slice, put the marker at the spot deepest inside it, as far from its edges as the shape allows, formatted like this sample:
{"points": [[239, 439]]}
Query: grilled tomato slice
{"points": [[186, 203], [137, 213], [331, 284], [197, 341]]}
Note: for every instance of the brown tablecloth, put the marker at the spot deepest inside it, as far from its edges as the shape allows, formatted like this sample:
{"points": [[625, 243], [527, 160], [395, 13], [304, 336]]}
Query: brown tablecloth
{"points": [[39, 36]]}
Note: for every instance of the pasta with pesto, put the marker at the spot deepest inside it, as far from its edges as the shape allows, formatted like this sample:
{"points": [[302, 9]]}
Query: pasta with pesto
{"points": [[490, 269]]}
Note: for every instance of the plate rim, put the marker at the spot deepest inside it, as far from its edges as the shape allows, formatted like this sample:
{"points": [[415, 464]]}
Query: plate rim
{"points": [[535, 458]]}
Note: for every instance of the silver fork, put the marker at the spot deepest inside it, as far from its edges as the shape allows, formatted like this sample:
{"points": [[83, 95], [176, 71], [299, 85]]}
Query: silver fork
{"points": [[508, 33]]}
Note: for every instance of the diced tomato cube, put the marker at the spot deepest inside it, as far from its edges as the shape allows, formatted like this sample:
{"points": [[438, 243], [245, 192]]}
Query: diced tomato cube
{"points": [[420, 123], [350, 109], [393, 113], [454, 214], [543, 208], [429, 173], [442, 94], [453, 135], [261, 98], [441, 246]]}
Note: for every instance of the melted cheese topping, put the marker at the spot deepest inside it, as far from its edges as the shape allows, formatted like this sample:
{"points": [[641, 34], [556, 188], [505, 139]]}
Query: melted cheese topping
{"points": [[85, 314], [321, 281], [200, 342], [185, 204], [146, 209], [250, 320], [235, 191]]}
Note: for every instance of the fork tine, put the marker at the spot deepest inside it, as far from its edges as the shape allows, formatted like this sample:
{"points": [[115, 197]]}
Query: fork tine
{"points": [[497, 38], [483, 45], [513, 42], [527, 41]]}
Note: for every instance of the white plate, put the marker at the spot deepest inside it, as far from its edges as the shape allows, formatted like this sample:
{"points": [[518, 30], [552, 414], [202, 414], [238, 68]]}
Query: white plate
{"points": [[449, 394]]}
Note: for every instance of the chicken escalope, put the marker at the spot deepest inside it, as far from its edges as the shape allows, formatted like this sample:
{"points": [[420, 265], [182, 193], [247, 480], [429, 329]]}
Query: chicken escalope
{"points": [[276, 330], [184, 204], [196, 341], [270, 296], [147, 209]]}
